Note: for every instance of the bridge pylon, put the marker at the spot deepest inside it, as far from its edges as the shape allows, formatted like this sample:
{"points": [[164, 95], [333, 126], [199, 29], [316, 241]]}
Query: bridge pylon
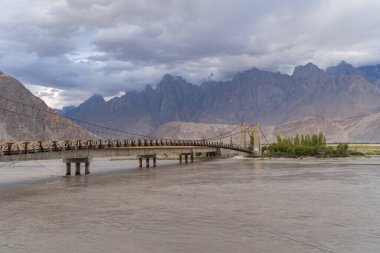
{"points": [[243, 135], [254, 133]]}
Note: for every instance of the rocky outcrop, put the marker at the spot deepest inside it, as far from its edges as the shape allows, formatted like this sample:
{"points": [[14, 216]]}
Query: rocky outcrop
{"points": [[195, 131], [370, 73], [30, 118], [359, 129]]}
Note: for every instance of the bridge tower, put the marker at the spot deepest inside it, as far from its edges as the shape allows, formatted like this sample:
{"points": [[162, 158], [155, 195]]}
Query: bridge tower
{"points": [[243, 135], [254, 133]]}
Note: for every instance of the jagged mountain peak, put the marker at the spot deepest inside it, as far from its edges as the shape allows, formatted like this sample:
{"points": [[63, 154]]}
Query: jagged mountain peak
{"points": [[172, 78], [342, 68], [344, 63], [266, 96], [306, 71], [66, 109], [254, 74], [371, 73], [169, 81], [253, 71], [95, 99], [148, 88]]}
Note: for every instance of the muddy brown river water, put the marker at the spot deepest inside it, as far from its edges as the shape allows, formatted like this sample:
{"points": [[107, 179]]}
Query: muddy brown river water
{"points": [[226, 205]]}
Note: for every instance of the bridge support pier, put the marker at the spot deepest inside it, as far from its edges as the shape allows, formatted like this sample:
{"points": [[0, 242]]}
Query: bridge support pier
{"points": [[186, 155], [68, 169], [211, 154], [77, 169], [77, 161], [147, 161], [87, 168]]}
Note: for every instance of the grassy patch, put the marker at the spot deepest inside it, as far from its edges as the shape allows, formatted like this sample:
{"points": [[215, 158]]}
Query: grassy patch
{"points": [[309, 146], [366, 149]]}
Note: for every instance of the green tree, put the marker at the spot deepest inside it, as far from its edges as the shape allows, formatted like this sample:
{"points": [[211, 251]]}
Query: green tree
{"points": [[342, 147], [321, 139], [305, 145], [297, 141]]}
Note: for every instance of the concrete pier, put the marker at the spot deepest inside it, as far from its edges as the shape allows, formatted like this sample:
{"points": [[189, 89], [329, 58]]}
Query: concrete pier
{"points": [[186, 155], [77, 169], [77, 161], [68, 169], [147, 160], [87, 168], [211, 154]]}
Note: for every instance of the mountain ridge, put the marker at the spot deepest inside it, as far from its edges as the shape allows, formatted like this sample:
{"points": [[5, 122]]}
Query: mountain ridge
{"points": [[272, 98], [310, 98], [26, 117]]}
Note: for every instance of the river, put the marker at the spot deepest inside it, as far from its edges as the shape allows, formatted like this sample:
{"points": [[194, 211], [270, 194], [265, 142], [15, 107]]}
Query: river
{"points": [[229, 205]]}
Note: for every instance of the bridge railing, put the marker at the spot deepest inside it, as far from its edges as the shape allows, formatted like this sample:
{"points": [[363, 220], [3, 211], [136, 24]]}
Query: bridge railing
{"points": [[25, 147]]}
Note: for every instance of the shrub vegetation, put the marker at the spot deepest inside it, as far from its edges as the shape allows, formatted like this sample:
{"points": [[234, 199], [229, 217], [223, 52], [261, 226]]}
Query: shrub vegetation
{"points": [[307, 145]]}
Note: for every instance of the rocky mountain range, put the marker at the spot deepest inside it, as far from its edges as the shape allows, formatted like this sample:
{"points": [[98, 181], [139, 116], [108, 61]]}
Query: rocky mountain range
{"points": [[24, 116], [370, 73], [342, 101], [364, 129], [341, 93], [197, 131]]}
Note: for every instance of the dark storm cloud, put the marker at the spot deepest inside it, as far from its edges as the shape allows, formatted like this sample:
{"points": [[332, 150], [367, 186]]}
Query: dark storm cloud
{"points": [[108, 46]]}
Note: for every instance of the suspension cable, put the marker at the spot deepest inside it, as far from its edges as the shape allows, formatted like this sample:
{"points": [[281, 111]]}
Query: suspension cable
{"points": [[245, 129], [84, 122], [220, 135], [108, 130], [264, 135]]}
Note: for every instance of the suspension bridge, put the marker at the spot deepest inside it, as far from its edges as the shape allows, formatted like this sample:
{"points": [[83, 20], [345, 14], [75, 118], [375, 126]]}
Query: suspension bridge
{"points": [[104, 141]]}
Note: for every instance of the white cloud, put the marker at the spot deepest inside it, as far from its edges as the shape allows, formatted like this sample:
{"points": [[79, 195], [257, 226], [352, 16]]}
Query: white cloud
{"points": [[57, 98], [119, 94], [110, 46]]}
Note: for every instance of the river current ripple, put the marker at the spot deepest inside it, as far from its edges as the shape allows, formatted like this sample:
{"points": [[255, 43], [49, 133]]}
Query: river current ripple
{"points": [[214, 206]]}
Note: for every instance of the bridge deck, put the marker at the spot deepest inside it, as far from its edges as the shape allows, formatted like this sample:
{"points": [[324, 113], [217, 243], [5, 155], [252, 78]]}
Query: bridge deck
{"points": [[47, 150], [109, 152]]}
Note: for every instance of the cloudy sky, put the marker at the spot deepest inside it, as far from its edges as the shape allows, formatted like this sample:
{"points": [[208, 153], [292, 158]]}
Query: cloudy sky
{"points": [[66, 50]]}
